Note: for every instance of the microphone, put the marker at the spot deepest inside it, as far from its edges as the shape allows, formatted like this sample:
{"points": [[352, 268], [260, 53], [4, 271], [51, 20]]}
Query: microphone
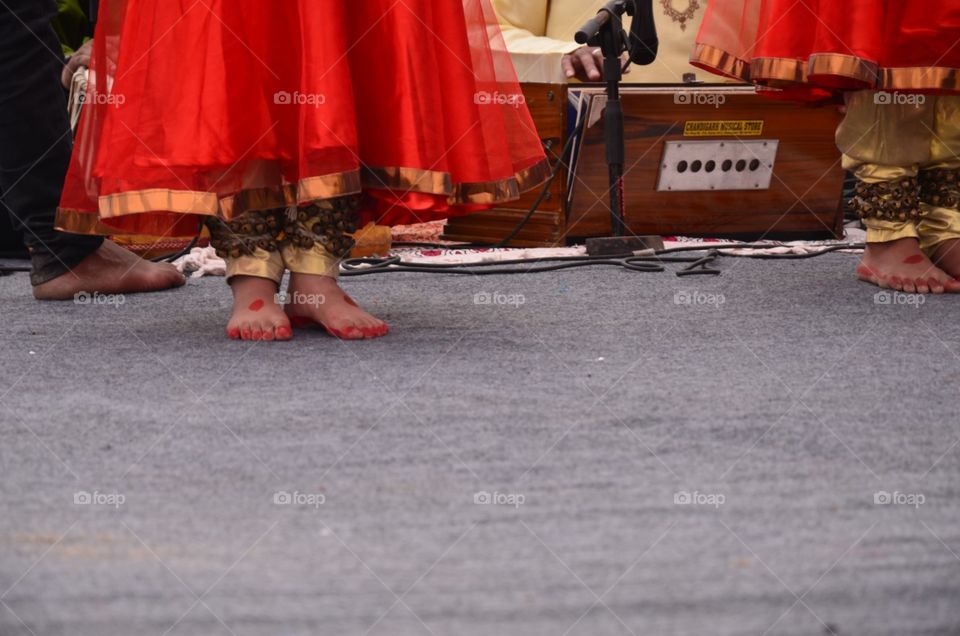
{"points": [[644, 43], [591, 30]]}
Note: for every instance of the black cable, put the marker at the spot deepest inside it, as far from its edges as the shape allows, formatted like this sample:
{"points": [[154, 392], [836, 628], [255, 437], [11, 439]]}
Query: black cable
{"points": [[546, 186], [639, 263], [394, 264], [172, 257]]}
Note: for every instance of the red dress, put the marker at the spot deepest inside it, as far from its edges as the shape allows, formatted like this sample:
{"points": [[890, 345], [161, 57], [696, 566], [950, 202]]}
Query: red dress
{"points": [[217, 107], [813, 48]]}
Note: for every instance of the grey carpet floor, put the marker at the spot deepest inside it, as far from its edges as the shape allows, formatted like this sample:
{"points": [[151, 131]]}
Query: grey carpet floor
{"points": [[317, 487]]}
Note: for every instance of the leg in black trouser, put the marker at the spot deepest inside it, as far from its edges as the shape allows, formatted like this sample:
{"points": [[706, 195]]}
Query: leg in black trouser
{"points": [[35, 140]]}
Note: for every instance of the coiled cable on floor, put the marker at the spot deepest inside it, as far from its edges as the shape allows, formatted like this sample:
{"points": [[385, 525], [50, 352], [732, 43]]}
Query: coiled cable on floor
{"points": [[652, 262], [367, 266]]}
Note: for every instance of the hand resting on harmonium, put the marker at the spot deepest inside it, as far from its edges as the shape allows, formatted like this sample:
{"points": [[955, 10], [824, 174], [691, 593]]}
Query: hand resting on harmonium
{"points": [[585, 64]]}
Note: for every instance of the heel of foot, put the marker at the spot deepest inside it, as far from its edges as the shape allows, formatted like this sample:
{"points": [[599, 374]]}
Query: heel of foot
{"points": [[866, 274]]}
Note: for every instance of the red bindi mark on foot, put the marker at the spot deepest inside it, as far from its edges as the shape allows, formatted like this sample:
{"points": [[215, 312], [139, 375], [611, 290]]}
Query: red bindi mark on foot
{"points": [[916, 259], [256, 305]]}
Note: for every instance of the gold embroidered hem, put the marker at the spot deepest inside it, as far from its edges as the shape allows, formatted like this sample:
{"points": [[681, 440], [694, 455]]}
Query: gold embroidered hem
{"points": [[935, 226], [176, 213], [938, 225], [261, 264], [881, 231], [315, 260]]}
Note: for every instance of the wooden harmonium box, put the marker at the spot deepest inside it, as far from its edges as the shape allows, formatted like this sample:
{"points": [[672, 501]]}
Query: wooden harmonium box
{"points": [[702, 160]]}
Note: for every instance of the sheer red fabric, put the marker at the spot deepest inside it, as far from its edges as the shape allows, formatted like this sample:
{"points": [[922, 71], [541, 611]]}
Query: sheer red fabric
{"points": [[816, 47], [218, 107]]}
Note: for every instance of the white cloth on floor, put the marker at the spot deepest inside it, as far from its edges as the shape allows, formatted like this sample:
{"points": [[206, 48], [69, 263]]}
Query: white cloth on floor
{"points": [[201, 261]]}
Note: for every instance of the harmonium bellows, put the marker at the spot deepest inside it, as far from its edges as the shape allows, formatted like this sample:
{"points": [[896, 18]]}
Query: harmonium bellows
{"points": [[702, 160]]}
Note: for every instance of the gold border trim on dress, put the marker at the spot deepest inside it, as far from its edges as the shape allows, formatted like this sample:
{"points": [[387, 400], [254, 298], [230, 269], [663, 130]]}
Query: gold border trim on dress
{"points": [[721, 60], [260, 264], [778, 69], [160, 226], [439, 183], [323, 187], [136, 202], [934, 78], [494, 192], [168, 212], [408, 180], [77, 222], [836, 64]]}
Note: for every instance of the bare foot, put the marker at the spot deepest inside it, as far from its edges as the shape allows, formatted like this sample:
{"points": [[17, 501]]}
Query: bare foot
{"points": [[110, 270], [256, 314], [900, 265], [947, 257], [318, 300]]}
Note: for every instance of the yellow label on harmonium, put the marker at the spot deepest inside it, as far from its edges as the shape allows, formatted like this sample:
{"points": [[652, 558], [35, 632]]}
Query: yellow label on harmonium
{"points": [[749, 128]]}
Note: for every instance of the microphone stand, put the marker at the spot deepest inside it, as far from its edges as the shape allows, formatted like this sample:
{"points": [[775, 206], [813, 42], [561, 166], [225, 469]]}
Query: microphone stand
{"points": [[606, 31]]}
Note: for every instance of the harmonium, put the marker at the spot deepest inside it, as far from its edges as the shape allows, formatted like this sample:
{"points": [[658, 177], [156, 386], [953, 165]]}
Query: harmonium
{"points": [[716, 160]]}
